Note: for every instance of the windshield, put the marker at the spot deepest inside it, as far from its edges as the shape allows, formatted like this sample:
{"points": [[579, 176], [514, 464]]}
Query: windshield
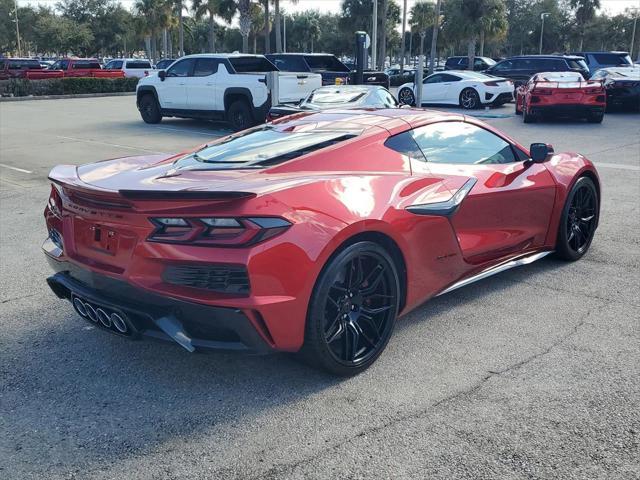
{"points": [[252, 65], [325, 62], [332, 96], [260, 148], [613, 59]]}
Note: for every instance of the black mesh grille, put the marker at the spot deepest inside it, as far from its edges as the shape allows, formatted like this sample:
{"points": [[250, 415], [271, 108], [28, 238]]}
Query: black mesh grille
{"points": [[217, 278]]}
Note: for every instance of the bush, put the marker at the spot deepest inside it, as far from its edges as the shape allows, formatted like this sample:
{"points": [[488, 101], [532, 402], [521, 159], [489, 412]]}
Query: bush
{"points": [[65, 86]]}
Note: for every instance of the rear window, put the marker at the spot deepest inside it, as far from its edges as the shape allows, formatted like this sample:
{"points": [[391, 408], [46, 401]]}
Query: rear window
{"points": [[613, 59], [335, 96], [252, 65], [24, 65], [291, 63], [261, 148], [85, 65], [113, 65], [325, 63], [578, 64], [138, 64]]}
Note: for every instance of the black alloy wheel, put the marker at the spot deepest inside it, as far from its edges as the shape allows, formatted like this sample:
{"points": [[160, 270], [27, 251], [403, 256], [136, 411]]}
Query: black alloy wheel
{"points": [[239, 115], [407, 97], [353, 310], [579, 220], [149, 109]]}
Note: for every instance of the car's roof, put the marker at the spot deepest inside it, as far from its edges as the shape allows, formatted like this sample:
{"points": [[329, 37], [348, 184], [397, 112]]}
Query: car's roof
{"points": [[576, 57], [615, 52], [301, 53], [629, 72], [221, 55]]}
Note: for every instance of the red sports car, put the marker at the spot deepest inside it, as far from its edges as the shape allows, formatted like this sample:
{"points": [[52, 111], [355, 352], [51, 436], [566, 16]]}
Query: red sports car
{"points": [[561, 94], [310, 234]]}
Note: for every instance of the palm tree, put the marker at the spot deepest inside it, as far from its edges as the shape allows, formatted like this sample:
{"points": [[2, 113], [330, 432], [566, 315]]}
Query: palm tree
{"points": [[244, 7], [150, 14], [422, 16], [383, 34], [214, 8], [267, 37], [277, 21], [585, 12]]}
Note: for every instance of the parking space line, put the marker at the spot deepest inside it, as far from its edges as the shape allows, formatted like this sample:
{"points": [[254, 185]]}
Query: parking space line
{"points": [[621, 166], [15, 168], [127, 147], [184, 130]]}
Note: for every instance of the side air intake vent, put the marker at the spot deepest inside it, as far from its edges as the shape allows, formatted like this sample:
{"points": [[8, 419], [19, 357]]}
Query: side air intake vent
{"points": [[231, 279]]}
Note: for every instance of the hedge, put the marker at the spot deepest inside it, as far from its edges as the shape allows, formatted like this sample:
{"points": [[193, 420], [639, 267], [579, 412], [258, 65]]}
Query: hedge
{"points": [[65, 86]]}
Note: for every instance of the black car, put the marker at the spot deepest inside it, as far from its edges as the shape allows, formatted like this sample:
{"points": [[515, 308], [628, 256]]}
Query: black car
{"points": [[520, 69], [462, 63], [338, 96], [622, 85], [326, 65]]}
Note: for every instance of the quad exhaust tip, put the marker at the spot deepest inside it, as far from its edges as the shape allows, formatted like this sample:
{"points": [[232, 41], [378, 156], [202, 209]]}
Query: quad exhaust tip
{"points": [[108, 319]]}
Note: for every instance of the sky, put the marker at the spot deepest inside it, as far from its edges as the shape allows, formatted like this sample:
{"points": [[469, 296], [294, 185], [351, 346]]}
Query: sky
{"points": [[610, 6]]}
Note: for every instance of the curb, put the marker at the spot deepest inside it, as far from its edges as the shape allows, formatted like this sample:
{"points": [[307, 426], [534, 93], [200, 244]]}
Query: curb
{"points": [[60, 97]]}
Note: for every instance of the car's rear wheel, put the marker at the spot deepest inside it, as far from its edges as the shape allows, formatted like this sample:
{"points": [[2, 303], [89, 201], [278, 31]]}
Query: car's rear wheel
{"points": [[469, 99], [579, 220], [526, 116], [149, 109], [406, 97], [239, 115], [352, 310], [595, 117]]}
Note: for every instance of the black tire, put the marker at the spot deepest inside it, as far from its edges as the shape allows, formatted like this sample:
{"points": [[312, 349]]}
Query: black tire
{"points": [[578, 221], [352, 310], [239, 115], [469, 99], [149, 109], [595, 117], [527, 117], [406, 97]]}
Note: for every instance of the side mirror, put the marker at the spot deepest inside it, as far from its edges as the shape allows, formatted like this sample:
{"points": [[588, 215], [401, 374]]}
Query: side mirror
{"points": [[162, 74], [539, 152]]}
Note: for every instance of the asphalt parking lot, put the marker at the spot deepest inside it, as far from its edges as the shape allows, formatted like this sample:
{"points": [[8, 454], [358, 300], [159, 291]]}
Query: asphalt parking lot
{"points": [[532, 374]]}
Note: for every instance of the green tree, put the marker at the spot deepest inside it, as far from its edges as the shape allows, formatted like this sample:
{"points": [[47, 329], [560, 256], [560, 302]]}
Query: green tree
{"points": [[585, 12], [224, 9]]}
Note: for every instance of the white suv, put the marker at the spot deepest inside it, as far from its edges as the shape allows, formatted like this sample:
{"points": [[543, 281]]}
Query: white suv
{"points": [[231, 87], [132, 67]]}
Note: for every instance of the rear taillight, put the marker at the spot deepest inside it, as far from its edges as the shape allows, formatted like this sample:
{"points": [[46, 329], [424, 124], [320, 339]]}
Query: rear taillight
{"points": [[55, 202], [491, 84], [217, 231]]}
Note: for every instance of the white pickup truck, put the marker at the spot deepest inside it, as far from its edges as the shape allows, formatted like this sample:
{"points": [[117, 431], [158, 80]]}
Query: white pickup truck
{"points": [[132, 67], [233, 87]]}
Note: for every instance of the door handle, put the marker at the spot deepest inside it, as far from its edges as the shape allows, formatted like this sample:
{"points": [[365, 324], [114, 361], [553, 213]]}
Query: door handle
{"points": [[209, 84], [182, 84]]}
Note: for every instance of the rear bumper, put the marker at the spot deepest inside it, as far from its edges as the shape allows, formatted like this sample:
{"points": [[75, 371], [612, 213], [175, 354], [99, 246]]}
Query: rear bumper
{"points": [[194, 326], [578, 110], [499, 99]]}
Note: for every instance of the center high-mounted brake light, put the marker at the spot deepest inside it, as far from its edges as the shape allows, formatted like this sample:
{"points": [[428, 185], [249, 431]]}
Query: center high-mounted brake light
{"points": [[217, 231]]}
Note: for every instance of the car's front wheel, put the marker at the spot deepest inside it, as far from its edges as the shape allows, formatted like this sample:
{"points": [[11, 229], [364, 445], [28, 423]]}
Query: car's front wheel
{"points": [[578, 221], [149, 109], [469, 99], [406, 97], [352, 310]]}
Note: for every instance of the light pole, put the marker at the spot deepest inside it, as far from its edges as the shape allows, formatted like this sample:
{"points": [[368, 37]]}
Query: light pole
{"points": [[374, 36], [284, 33], [17, 28], [542, 16], [633, 34], [403, 47]]}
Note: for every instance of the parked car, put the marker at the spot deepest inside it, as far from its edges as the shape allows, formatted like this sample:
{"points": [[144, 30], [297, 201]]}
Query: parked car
{"points": [[23, 68], [561, 94], [332, 70], [164, 63], [622, 86], [132, 67], [462, 63], [231, 87], [84, 67], [309, 234], [338, 96], [521, 69], [467, 89], [597, 60]]}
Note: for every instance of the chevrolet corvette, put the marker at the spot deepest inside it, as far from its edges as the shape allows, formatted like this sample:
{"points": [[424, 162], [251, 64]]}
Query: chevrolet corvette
{"points": [[312, 233]]}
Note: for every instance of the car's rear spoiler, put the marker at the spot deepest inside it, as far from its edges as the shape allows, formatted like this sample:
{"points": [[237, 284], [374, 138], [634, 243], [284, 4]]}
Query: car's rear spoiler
{"points": [[184, 195]]}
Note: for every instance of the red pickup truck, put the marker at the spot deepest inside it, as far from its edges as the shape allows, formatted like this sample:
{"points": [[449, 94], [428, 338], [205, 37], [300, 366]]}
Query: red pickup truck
{"points": [[84, 67], [25, 68]]}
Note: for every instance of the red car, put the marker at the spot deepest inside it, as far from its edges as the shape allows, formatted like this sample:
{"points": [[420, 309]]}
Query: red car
{"points": [[310, 234], [561, 93], [84, 67], [29, 68]]}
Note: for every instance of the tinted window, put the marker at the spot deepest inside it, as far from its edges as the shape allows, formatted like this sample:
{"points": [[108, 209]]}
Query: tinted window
{"points": [[82, 65], [259, 148], [162, 64], [325, 62], [405, 144], [205, 67], [462, 143], [142, 64], [577, 64], [182, 68], [437, 78], [252, 65], [24, 65], [449, 78], [114, 65], [290, 63], [612, 58], [503, 65]]}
